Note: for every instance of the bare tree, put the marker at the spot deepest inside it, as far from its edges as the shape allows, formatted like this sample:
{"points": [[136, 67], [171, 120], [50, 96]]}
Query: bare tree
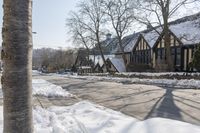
{"points": [[92, 19], [163, 11], [121, 16], [17, 60], [79, 34]]}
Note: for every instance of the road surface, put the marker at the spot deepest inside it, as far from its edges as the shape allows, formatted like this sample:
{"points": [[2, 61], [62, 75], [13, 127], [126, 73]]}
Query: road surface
{"points": [[139, 101]]}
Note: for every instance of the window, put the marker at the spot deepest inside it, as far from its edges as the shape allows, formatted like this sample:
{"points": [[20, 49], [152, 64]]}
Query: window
{"points": [[178, 60], [163, 54], [159, 53], [178, 50], [173, 54], [173, 51]]}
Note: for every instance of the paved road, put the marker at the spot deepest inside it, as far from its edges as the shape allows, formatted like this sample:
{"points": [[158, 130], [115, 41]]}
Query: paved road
{"points": [[139, 101]]}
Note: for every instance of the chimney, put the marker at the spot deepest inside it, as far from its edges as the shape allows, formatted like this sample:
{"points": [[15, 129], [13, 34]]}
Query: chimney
{"points": [[108, 36], [149, 26]]}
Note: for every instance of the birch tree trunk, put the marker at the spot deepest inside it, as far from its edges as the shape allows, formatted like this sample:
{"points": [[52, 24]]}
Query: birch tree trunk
{"points": [[17, 64]]}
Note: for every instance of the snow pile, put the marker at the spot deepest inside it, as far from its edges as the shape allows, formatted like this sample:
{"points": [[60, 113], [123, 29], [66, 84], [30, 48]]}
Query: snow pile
{"points": [[158, 74], [89, 118], [43, 88], [183, 83], [35, 72], [85, 117]]}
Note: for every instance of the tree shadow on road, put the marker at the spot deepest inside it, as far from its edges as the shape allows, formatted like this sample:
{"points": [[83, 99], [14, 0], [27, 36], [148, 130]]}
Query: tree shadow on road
{"points": [[165, 107]]}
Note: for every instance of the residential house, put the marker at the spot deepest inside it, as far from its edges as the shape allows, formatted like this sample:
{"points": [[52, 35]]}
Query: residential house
{"points": [[184, 39], [146, 50]]}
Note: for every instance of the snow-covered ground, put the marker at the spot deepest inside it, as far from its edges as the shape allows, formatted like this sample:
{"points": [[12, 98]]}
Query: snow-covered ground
{"points": [[183, 83], [85, 117], [148, 74], [44, 88], [159, 74]]}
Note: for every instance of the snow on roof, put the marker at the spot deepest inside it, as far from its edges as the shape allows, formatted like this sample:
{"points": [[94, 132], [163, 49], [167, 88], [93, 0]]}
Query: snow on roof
{"points": [[132, 41], [112, 42], [188, 32], [151, 36], [187, 29], [119, 64]]}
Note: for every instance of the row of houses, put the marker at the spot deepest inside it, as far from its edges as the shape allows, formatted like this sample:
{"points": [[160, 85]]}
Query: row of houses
{"points": [[145, 50]]}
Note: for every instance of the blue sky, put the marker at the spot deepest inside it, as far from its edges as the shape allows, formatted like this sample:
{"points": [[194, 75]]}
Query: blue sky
{"points": [[49, 18], [49, 22]]}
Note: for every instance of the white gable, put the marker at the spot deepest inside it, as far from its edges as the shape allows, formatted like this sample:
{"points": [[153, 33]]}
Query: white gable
{"points": [[119, 64]]}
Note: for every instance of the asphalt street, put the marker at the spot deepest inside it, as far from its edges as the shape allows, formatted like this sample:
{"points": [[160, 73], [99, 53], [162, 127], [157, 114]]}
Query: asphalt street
{"points": [[139, 101]]}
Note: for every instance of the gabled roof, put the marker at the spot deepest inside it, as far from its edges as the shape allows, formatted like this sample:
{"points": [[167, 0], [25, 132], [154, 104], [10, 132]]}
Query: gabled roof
{"points": [[97, 66], [118, 63], [132, 40], [151, 36], [188, 31]]}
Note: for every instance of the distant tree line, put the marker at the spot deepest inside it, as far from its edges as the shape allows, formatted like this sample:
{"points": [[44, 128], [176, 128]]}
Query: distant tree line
{"points": [[53, 60]]}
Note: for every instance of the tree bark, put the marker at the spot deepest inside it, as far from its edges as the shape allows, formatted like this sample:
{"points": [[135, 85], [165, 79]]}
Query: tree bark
{"points": [[167, 40], [102, 55], [17, 66]]}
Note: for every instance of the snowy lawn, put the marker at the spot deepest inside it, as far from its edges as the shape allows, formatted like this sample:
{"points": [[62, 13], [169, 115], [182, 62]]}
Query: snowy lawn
{"points": [[158, 74], [148, 74], [85, 117], [44, 88]]}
